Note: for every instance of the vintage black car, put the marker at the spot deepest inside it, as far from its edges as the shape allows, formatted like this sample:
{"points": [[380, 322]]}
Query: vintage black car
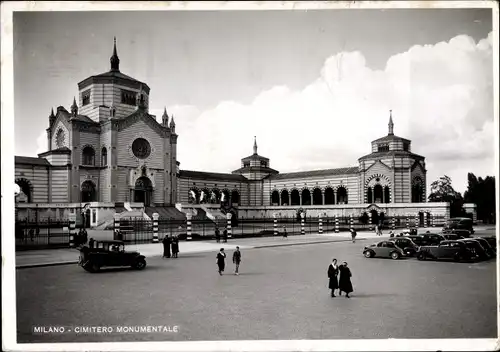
{"points": [[492, 240], [456, 250], [452, 236], [476, 248], [406, 244], [109, 254], [427, 239], [384, 249], [458, 232], [492, 253], [459, 224]]}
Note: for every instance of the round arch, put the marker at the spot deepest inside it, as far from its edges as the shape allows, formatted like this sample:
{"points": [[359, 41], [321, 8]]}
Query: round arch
{"points": [[275, 197], [329, 196], [369, 195], [226, 195], [194, 195], [317, 196], [342, 195], [143, 190], [306, 196], [235, 196], [378, 193], [88, 156], [285, 197], [26, 187], [417, 190], [215, 196], [295, 197]]}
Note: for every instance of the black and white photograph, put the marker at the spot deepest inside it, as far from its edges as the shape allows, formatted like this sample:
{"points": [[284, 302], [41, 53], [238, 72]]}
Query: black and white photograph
{"points": [[261, 176]]}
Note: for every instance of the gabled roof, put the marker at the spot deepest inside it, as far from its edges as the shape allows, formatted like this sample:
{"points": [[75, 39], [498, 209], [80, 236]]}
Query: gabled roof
{"points": [[82, 118], [62, 150], [28, 160], [200, 175], [391, 153], [313, 173]]}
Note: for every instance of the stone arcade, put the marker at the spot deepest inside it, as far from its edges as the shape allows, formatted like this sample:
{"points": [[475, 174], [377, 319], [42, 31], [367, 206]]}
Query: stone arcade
{"points": [[107, 154]]}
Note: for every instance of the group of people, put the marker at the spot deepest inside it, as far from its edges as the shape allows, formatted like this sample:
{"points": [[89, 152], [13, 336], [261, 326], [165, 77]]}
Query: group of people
{"points": [[378, 229], [221, 260], [170, 246], [339, 278], [218, 235]]}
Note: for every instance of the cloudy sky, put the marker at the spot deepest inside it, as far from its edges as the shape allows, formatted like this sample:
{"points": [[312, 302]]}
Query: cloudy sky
{"points": [[315, 87]]}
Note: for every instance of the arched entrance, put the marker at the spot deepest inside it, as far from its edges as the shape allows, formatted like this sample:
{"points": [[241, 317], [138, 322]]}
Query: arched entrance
{"points": [[295, 197], [143, 191], [306, 197], [275, 198], [88, 192], [26, 188], [235, 197], [285, 197], [369, 195], [375, 217], [317, 197], [387, 194], [341, 195], [416, 193], [329, 197], [421, 219]]}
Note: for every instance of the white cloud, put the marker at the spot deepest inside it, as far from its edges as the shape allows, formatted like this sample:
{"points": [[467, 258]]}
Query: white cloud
{"points": [[441, 97]]}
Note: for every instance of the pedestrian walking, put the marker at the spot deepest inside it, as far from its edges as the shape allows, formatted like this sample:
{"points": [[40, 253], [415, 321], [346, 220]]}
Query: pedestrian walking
{"points": [[237, 259], [32, 235], [217, 234], [221, 261], [225, 234], [345, 284], [285, 234], [376, 230], [380, 228], [333, 272], [91, 242], [175, 247], [166, 247], [353, 235]]}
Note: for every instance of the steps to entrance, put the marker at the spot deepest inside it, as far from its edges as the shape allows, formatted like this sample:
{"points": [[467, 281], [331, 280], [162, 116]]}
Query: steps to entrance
{"points": [[166, 213]]}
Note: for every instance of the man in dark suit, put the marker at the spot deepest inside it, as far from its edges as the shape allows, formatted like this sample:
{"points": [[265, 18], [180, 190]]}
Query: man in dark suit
{"points": [[237, 259], [221, 261]]}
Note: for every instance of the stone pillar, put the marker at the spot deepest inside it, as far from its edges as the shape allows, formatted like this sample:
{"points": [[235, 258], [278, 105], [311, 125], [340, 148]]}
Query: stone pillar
{"points": [[351, 222], [426, 219], [433, 222], [336, 224], [300, 199], [72, 229], [189, 236], [323, 197], [275, 224], [116, 223], [229, 231], [334, 197], [393, 223], [320, 224], [289, 198], [370, 221], [155, 227], [302, 222], [417, 218], [407, 222]]}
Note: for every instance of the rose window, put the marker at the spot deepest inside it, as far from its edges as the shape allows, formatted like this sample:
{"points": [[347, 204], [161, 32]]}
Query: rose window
{"points": [[141, 148]]}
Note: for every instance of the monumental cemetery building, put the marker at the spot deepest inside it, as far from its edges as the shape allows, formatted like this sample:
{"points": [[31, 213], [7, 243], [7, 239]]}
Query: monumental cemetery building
{"points": [[107, 154]]}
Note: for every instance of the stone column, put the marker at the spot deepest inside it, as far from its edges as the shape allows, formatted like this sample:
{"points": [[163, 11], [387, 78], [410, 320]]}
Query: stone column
{"points": [[335, 197], [336, 224], [300, 197], [229, 231], [407, 222], [155, 227], [426, 219], [416, 221], [351, 222], [302, 223], [433, 222], [320, 224], [323, 197], [72, 229], [370, 221], [393, 223], [275, 224], [189, 235]]}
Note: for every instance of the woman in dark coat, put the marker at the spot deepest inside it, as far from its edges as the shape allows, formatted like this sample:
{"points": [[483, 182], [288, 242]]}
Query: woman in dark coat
{"points": [[221, 261], [333, 271], [166, 247], [345, 284], [175, 247]]}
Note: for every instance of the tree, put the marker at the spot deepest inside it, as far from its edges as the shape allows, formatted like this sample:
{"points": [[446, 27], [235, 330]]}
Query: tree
{"points": [[442, 191], [482, 193]]}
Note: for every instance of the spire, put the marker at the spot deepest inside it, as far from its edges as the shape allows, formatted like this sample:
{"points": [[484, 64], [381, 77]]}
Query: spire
{"points": [[74, 107], [172, 123], [165, 118], [115, 61], [52, 117], [254, 145], [391, 124]]}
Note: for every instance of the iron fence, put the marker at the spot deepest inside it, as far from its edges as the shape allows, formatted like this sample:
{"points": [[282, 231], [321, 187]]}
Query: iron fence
{"points": [[46, 233]]}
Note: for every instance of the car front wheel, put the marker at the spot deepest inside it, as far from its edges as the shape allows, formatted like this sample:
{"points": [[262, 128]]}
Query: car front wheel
{"points": [[368, 254], [421, 256], [140, 264], [395, 255]]}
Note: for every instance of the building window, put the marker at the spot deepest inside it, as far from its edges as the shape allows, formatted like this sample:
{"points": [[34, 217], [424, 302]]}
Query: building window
{"points": [[88, 156], [104, 157], [128, 97], [383, 147], [406, 146], [263, 163], [60, 138], [246, 164], [141, 148], [86, 97]]}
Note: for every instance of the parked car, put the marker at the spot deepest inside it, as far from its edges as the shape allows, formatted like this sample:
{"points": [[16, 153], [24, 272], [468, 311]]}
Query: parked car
{"points": [[406, 244], [452, 236], [487, 247], [383, 249], [492, 240], [459, 224], [109, 254], [476, 248], [456, 250], [427, 239], [458, 232]]}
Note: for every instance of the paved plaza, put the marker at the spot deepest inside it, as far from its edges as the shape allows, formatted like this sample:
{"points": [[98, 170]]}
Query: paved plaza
{"points": [[281, 293]]}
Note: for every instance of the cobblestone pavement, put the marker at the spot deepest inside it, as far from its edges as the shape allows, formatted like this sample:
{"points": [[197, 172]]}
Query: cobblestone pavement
{"points": [[281, 294]]}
